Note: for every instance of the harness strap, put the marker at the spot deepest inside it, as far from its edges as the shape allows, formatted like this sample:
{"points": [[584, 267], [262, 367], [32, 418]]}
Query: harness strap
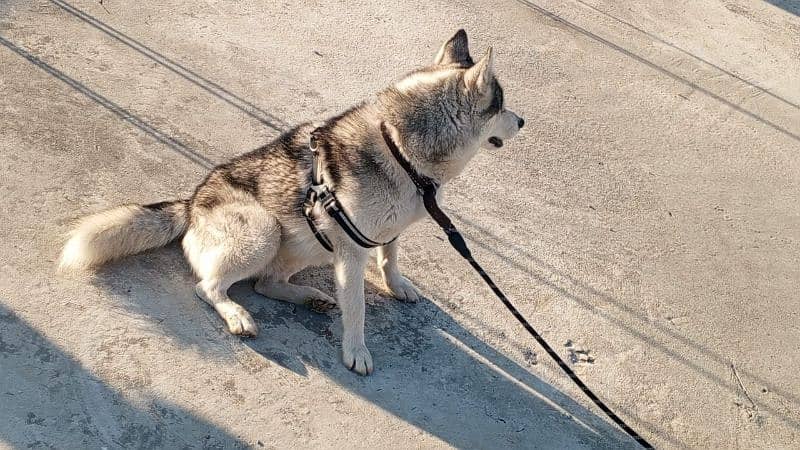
{"points": [[427, 188], [319, 192], [323, 240]]}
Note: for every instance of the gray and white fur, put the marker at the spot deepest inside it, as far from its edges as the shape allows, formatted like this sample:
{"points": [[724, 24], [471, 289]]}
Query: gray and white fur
{"points": [[245, 220]]}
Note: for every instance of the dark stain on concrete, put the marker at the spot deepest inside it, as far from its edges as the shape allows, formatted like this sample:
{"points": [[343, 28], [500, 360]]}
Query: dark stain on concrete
{"points": [[31, 419]]}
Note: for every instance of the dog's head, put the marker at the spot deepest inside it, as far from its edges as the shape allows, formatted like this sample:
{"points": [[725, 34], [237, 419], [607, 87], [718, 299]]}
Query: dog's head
{"points": [[482, 92], [446, 111]]}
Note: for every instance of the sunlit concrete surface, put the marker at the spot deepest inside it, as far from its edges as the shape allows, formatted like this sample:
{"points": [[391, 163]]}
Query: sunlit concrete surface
{"points": [[646, 220]]}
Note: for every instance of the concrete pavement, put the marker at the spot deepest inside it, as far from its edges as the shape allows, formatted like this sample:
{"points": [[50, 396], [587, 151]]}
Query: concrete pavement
{"points": [[646, 221]]}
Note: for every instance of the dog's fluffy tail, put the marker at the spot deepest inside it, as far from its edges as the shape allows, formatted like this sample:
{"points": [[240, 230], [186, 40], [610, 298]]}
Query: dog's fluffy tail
{"points": [[121, 231]]}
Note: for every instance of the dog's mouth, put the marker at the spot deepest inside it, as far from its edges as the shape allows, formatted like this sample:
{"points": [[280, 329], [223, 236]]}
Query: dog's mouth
{"points": [[496, 141]]}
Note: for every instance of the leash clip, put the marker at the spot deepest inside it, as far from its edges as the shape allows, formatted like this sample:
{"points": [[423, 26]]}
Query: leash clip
{"points": [[312, 142]]}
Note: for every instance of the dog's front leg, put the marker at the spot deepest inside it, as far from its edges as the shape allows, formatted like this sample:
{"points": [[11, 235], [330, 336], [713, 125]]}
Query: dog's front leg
{"points": [[349, 266], [398, 285]]}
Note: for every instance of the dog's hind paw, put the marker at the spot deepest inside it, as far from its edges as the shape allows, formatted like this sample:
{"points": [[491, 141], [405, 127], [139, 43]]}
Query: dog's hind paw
{"points": [[403, 289], [358, 359], [321, 304]]}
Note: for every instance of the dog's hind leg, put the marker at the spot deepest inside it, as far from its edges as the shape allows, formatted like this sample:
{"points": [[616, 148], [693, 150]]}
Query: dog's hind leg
{"points": [[299, 295], [227, 244]]}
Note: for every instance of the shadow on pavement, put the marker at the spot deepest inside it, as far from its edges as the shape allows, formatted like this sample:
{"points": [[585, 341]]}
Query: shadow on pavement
{"points": [[790, 6], [49, 400], [661, 69], [267, 119], [123, 114], [430, 371]]}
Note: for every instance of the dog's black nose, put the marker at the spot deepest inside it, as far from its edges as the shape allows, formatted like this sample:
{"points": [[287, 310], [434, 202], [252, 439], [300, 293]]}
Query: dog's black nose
{"points": [[521, 122]]}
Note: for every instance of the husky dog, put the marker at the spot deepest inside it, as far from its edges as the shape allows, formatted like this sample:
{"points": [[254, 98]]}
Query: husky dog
{"points": [[246, 219]]}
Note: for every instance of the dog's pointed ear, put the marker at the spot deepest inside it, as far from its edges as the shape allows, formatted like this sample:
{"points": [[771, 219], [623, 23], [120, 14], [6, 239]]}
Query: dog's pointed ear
{"points": [[480, 75], [456, 50]]}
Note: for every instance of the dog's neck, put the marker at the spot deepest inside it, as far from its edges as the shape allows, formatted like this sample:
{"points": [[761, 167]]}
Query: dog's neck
{"points": [[439, 151], [442, 171]]}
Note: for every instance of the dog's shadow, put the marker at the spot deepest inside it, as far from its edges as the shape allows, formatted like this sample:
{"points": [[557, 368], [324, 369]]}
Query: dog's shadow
{"points": [[430, 372]]}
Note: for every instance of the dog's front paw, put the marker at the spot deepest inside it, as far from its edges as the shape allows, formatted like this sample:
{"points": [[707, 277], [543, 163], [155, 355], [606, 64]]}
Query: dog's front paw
{"points": [[402, 289], [357, 358], [239, 321]]}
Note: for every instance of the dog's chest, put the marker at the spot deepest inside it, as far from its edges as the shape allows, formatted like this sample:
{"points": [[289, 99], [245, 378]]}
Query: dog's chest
{"points": [[392, 217]]}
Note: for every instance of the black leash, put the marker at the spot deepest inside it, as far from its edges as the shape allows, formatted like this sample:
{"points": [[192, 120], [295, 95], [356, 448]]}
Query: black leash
{"points": [[427, 188]]}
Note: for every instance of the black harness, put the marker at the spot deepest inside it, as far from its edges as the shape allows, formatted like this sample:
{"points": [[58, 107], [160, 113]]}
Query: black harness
{"points": [[320, 192]]}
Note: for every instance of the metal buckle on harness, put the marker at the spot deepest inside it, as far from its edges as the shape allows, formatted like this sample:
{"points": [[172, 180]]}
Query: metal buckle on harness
{"points": [[312, 142], [316, 192]]}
